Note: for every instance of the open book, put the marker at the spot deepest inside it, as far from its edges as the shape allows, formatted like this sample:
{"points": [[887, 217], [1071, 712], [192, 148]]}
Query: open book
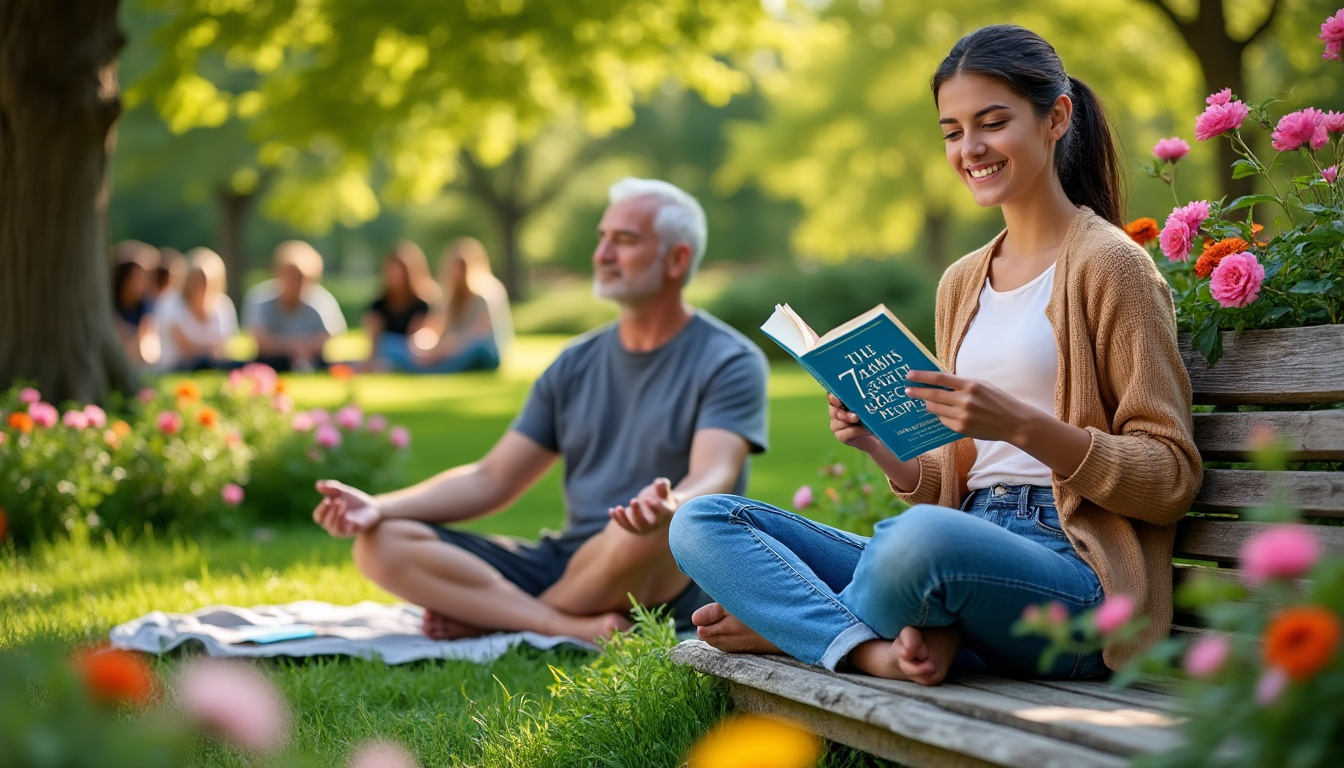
{"points": [[864, 363]]}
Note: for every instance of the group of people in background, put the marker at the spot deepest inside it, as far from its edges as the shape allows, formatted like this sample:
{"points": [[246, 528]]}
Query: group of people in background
{"points": [[173, 312]]}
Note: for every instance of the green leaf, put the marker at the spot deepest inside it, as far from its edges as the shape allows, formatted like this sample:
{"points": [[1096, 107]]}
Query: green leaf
{"points": [[1276, 313], [1246, 201], [1243, 168], [1312, 286], [1209, 341]]}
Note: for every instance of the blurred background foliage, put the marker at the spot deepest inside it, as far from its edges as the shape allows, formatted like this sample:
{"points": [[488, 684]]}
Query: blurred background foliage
{"points": [[805, 127]]}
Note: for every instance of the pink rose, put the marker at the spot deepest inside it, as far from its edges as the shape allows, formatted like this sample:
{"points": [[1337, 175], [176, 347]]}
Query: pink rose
{"points": [[1176, 240], [400, 437], [382, 754], [349, 417], [1330, 174], [75, 419], [1031, 614], [97, 416], [169, 422], [1303, 127], [320, 415], [1056, 613], [28, 396], [236, 700], [1236, 280], [1332, 33], [263, 377], [1114, 612], [1172, 149], [236, 378], [1333, 122], [282, 403], [1263, 437], [1218, 119], [232, 494], [3, 438], [1282, 552], [303, 422], [327, 436], [147, 395], [1207, 656], [376, 423], [1219, 98], [43, 414], [1270, 687], [802, 498]]}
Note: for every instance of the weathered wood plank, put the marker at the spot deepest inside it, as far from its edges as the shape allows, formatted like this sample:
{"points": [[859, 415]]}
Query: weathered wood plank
{"points": [[1317, 494], [1310, 435], [1220, 539], [1290, 365], [1136, 697], [908, 719]]}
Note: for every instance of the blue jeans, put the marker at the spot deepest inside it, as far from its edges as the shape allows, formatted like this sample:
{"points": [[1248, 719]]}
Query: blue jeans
{"points": [[480, 355], [817, 592]]}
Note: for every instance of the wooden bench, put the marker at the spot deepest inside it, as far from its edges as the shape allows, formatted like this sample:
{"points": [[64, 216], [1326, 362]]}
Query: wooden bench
{"points": [[990, 721]]}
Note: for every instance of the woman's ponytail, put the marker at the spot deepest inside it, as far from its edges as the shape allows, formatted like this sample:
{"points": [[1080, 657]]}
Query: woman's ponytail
{"points": [[1088, 165]]}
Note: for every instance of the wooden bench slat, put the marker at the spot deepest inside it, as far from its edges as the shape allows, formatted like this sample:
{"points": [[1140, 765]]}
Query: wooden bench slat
{"points": [[1135, 697], [1220, 539], [1317, 494], [1311, 435], [765, 684], [1298, 365]]}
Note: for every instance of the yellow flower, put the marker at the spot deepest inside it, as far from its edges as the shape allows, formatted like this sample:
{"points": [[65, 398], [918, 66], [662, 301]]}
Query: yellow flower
{"points": [[753, 741]]}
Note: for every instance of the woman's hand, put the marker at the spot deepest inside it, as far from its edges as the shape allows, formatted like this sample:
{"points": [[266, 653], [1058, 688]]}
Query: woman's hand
{"points": [[845, 424], [973, 408]]}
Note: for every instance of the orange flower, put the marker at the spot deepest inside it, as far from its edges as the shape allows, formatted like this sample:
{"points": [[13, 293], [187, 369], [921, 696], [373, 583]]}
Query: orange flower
{"points": [[342, 371], [753, 741], [1302, 641], [21, 421], [279, 386], [121, 428], [114, 675], [188, 390], [207, 417], [1216, 252], [1142, 231]]}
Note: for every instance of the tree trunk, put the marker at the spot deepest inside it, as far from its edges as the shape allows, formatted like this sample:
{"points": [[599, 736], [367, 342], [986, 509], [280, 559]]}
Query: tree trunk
{"points": [[510, 220], [936, 221], [232, 215], [59, 103]]}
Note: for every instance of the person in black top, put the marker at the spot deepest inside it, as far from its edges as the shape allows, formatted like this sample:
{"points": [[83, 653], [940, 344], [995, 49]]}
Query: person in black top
{"points": [[400, 310], [131, 300]]}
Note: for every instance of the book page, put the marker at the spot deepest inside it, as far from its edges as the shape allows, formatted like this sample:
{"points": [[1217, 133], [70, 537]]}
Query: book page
{"points": [[789, 330]]}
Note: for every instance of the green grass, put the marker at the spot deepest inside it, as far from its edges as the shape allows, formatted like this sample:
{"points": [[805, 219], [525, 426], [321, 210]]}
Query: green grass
{"points": [[627, 708]]}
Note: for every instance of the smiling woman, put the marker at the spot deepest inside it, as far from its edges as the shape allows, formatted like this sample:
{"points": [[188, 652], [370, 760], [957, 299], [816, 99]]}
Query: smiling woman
{"points": [[1073, 470]]}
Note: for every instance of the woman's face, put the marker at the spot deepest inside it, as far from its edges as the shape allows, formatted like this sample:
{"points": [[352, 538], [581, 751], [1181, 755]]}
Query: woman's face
{"points": [[193, 290], [394, 275], [995, 142], [456, 274]]}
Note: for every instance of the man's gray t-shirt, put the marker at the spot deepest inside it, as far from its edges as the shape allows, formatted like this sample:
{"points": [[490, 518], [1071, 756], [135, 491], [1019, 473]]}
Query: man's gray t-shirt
{"points": [[620, 419], [316, 312]]}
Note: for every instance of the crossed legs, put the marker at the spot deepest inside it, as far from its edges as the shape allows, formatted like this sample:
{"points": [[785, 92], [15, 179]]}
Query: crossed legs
{"points": [[464, 595]]}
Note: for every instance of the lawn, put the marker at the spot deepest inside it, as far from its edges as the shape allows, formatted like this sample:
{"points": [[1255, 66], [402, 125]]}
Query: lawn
{"points": [[512, 712]]}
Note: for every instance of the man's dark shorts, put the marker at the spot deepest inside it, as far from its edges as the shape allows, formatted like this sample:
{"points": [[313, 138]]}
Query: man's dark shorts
{"points": [[535, 565]]}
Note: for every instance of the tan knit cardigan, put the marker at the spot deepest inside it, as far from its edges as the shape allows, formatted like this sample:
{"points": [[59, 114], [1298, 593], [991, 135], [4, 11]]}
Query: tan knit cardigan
{"points": [[1120, 378]]}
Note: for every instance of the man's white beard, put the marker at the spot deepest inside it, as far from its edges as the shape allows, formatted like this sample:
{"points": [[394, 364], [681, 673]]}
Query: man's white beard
{"points": [[629, 289]]}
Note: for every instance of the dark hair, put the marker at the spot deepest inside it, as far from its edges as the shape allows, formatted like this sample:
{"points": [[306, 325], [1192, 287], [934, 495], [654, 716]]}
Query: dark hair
{"points": [[121, 272], [1085, 158]]}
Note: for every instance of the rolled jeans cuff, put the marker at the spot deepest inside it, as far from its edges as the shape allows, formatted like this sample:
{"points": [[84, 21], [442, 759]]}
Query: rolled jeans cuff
{"points": [[844, 643]]}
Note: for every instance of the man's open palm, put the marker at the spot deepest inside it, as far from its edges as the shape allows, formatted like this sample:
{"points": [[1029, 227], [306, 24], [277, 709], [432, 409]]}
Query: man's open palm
{"points": [[345, 511], [650, 511]]}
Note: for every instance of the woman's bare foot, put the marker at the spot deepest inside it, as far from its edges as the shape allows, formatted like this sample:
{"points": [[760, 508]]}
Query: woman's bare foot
{"points": [[918, 654], [593, 628], [724, 631], [436, 626]]}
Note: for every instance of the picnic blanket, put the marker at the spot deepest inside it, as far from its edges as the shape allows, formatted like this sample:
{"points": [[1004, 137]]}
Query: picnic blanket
{"points": [[368, 629]]}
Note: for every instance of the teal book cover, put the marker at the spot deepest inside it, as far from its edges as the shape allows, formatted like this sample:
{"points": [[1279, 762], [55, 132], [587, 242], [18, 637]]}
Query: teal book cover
{"points": [[864, 363]]}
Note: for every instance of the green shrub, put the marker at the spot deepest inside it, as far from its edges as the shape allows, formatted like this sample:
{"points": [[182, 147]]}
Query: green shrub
{"points": [[827, 296]]}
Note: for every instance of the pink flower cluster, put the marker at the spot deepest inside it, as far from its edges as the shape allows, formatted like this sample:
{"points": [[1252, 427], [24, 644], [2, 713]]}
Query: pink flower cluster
{"points": [[802, 498], [262, 378], [1178, 235], [1281, 552], [43, 414], [1222, 114], [1332, 33], [1171, 149], [1236, 280], [1115, 611], [1305, 127], [236, 700]]}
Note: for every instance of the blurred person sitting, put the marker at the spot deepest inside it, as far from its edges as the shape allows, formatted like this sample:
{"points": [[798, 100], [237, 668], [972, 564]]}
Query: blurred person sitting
{"points": [[401, 308], [195, 326], [132, 300], [470, 327], [292, 316], [168, 277]]}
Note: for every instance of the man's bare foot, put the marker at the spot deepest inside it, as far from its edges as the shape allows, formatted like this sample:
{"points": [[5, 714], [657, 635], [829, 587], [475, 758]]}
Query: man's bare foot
{"points": [[595, 628], [724, 631], [918, 654], [436, 626]]}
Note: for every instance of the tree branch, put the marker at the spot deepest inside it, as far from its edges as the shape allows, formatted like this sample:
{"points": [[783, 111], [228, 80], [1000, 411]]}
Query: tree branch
{"points": [[1181, 24], [480, 180], [1264, 25], [589, 152]]}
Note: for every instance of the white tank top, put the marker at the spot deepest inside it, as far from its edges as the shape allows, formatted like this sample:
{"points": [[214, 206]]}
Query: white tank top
{"points": [[1011, 345]]}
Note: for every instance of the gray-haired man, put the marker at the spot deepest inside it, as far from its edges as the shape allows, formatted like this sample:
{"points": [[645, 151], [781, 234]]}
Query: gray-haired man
{"points": [[660, 406]]}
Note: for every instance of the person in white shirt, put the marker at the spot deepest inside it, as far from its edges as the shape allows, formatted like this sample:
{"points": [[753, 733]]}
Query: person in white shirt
{"points": [[196, 325]]}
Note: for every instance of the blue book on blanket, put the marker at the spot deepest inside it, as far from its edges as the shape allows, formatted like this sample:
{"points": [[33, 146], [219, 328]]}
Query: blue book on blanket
{"points": [[864, 363]]}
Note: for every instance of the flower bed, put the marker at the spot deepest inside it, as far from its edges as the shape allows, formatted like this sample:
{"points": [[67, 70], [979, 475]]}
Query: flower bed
{"points": [[192, 457]]}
